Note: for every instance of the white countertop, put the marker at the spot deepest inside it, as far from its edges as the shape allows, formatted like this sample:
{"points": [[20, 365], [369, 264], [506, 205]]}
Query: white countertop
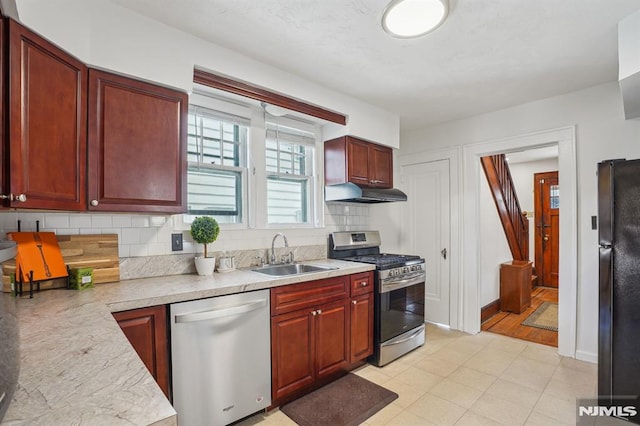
{"points": [[77, 367]]}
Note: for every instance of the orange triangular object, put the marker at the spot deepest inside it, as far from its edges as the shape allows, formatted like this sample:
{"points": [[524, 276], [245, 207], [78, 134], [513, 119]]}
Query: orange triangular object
{"points": [[38, 252]]}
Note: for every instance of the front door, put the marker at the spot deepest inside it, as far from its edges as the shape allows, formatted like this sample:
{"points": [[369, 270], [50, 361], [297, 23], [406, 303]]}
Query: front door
{"points": [[427, 231], [547, 221]]}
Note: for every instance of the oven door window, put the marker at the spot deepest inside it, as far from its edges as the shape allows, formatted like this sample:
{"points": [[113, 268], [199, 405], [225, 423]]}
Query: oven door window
{"points": [[401, 310]]}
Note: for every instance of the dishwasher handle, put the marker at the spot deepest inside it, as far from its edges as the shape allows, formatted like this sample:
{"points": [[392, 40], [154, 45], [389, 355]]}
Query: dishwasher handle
{"points": [[221, 312]]}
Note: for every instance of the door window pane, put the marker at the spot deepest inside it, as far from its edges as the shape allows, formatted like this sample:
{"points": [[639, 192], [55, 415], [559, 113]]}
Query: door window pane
{"points": [[554, 195]]}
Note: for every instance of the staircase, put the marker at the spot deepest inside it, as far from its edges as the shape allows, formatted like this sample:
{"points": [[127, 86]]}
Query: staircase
{"points": [[514, 222]]}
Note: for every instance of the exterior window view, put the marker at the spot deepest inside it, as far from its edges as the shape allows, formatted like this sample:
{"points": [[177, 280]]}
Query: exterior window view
{"points": [[393, 212]]}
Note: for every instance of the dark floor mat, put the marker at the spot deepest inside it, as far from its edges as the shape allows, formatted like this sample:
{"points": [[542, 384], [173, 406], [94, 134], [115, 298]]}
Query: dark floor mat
{"points": [[349, 400]]}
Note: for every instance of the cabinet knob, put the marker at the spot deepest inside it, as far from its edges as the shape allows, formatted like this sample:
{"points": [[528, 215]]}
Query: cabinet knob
{"points": [[319, 311], [20, 197], [364, 284], [355, 302], [314, 313], [94, 203]]}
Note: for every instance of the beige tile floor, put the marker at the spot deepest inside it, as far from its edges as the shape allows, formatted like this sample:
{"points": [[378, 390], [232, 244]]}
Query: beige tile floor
{"points": [[485, 379]]}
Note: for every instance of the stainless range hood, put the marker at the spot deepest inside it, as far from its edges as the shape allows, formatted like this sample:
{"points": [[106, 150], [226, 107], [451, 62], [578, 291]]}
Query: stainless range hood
{"points": [[352, 193]]}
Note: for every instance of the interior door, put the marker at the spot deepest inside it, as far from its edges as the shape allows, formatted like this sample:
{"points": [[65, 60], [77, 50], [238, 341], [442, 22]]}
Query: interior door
{"points": [[428, 231], [547, 220]]}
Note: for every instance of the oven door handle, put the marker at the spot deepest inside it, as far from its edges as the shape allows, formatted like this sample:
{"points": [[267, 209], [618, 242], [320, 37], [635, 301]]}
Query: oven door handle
{"points": [[406, 339], [393, 285]]}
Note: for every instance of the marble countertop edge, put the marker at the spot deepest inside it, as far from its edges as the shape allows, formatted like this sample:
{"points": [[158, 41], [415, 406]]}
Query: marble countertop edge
{"points": [[77, 367]]}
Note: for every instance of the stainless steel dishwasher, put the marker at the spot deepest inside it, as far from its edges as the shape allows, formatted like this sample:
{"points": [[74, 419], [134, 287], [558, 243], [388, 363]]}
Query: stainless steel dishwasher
{"points": [[221, 358]]}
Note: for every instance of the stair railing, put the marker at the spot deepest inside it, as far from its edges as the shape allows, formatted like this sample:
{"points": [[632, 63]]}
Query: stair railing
{"points": [[514, 221]]}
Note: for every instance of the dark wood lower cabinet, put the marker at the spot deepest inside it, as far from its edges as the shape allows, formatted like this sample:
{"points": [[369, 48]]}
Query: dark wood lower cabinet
{"points": [[330, 332], [292, 349], [361, 327], [332, 337], [146, 329]]}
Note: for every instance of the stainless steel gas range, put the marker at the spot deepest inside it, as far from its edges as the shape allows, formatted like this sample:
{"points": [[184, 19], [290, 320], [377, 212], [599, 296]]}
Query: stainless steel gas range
{"points": [[399, 293]]}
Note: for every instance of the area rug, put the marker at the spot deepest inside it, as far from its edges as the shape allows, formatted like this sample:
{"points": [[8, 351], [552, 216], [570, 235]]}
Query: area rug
{"points": [[349, 400], [545, 317]]}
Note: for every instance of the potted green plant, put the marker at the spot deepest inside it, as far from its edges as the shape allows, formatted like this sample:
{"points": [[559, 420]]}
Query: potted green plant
{"points": [[205, 230]]}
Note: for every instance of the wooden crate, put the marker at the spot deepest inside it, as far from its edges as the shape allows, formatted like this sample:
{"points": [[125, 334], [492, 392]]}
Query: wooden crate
{"points": [[99, 252]]}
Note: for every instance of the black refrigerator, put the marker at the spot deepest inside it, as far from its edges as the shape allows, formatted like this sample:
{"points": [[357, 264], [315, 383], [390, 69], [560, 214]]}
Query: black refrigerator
{"points": [[619, 277]]}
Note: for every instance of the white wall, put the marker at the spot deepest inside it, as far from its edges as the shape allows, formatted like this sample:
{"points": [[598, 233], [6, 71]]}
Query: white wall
{"points": [[107, 35], [494, 249], [629, 45], [601, 133]]}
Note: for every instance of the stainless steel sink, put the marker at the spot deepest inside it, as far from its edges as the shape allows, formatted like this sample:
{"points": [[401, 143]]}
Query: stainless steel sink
{"points": [[290, 269]]}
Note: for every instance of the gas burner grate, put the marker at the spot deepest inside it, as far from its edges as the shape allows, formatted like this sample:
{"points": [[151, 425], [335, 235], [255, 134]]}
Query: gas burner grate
{"points": [[384, 259]]}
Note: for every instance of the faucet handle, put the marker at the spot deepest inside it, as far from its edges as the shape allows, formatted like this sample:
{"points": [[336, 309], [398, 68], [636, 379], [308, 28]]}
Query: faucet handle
{"points": [[287, 258], [260, 260]]}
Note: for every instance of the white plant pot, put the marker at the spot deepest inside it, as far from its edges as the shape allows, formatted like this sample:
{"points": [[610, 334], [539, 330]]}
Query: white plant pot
{"points": [[205, 265]]}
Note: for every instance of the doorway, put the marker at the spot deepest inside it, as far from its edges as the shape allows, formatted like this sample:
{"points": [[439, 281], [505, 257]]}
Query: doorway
{"points": [[565, 139], [547, 227]]}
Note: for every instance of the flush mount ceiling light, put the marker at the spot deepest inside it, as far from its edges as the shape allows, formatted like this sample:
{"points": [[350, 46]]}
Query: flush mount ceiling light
{"points": [[414, 18]]}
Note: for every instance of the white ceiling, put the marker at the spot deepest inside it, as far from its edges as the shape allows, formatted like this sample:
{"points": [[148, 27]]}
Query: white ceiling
{"points": [[488, 55]]}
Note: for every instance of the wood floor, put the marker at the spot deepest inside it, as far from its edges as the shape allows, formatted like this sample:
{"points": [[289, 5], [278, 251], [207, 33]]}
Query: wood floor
{"points": [[508, 324]]}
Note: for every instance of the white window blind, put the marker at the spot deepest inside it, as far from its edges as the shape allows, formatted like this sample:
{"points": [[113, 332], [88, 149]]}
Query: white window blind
{"points": [[216, 150], [290, 168]]}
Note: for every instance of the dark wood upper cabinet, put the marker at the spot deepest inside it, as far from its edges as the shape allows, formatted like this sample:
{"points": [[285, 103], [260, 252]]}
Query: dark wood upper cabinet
{"points": [[47, 123], [137, 145], [146, 330], [349, 159]]}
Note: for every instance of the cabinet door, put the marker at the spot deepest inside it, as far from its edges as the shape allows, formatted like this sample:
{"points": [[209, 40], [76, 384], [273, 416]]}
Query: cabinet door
{"points": [[358, 162], [381, 166], [361, 327], [47, 123], [137, 145], [292, 349], [332, 350], [146, 330]]}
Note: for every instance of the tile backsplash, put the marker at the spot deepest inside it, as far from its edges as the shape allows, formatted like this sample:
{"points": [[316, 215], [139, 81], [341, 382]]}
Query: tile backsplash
{"points": [[142, 235]]}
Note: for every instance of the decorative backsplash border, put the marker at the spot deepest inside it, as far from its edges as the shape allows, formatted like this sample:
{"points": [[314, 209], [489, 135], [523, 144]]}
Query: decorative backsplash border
{"points": [[156, 266]]}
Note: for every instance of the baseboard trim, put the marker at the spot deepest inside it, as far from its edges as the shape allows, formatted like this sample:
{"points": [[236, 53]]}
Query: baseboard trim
{"points": [[587, 356], [489, 310]]}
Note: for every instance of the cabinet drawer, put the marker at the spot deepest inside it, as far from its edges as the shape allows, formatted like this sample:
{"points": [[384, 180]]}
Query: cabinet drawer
{"points": [[361, 283], [290, 298]]}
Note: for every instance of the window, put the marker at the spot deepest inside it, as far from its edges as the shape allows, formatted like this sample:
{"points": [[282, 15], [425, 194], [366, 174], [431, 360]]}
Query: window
{"points": [[290, 170], [249, 169], [216, 149]]}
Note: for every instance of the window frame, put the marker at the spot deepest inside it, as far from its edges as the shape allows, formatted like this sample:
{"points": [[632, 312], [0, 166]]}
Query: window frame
{"points": [[240, 114], [315, 201], [254, 176]]}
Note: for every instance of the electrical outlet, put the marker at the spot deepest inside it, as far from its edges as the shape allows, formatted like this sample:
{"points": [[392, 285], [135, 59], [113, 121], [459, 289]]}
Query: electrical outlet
{"points": [[176, 242]]}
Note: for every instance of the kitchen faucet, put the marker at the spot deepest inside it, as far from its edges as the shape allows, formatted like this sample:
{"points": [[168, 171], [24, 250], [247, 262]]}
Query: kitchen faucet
{"points": [[285, 259]]}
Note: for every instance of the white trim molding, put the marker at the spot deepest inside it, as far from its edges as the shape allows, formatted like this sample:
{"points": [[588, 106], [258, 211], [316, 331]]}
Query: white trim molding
{"points": [[472, 177]]}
